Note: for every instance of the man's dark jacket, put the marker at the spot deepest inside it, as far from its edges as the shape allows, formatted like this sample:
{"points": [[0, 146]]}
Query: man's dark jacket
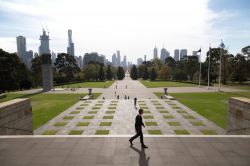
{"points": [[138, 122]]}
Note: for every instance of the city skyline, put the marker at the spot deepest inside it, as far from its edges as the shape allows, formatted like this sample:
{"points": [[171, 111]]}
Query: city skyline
{"points": [[134, 33]]}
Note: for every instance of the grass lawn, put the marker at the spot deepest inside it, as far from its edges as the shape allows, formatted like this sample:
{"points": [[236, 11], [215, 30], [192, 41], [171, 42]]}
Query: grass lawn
{"points": [[151, 124], [102, 132], [50, 132], [157, 84], [105, 84], [83, 123], [155, 132], [174, 123], [105, 123], [75, 132], [46, 106], [181, 132], [212, 105]]}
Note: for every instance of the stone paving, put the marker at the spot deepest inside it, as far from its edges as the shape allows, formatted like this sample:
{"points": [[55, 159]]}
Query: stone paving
{"points": [[116, 117], [115, 151]]}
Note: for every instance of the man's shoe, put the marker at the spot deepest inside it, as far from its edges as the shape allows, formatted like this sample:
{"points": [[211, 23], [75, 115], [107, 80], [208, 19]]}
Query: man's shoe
{"points": [[130, 142], [144, 146]]}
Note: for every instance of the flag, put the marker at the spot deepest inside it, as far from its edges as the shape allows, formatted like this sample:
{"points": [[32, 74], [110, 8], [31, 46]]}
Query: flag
{"points": [[222, 45], [199, 50]]}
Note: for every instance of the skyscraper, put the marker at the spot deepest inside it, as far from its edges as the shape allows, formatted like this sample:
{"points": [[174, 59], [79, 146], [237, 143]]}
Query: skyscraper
{"points": [[21, 47], [145, 57], [164, 54], [44, 47], [155, 53], [176, 55], [183, 54], [114, 59], [71, 47], [118, 60], [25, 56], [139, 61]]}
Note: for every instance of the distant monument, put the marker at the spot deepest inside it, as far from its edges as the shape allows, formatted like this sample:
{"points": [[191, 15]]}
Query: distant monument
{"points": [[47, 73]]}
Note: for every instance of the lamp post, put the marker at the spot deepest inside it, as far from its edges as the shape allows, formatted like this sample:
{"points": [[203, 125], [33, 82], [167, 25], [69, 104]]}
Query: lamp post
{"points": [[222, 46]]}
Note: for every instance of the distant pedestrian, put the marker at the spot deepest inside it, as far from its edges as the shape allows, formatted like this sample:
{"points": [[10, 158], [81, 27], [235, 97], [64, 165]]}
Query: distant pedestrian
{"points": [[118, 97], [115, 93], [125, 97], [138, 128], [128, 97], [103, 98], [135, 101]]}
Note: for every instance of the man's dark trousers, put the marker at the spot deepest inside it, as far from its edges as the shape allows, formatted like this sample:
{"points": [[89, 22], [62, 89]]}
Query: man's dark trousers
{"points": [[138, 133]]}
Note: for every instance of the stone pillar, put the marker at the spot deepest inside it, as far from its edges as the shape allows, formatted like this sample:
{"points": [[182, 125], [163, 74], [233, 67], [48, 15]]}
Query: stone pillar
{"points": [[239, 115], [47, 73], [16, 117]]}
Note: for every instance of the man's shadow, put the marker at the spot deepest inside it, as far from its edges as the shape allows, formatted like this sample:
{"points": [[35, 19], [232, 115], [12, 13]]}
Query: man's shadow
{"points": [[143, 160]]}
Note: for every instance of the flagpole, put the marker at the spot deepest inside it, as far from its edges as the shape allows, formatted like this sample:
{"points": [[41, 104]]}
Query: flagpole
{"points": [[208, 72], [200, 71], [221, 47]]}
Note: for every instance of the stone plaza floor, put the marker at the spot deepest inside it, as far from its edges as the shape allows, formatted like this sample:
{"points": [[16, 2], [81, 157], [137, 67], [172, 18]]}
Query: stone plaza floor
{"points": [[116, 151], [117, 117]]}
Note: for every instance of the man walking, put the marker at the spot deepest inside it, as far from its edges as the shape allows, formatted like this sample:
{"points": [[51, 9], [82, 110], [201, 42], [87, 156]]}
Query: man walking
{"points": [[138, 128]]}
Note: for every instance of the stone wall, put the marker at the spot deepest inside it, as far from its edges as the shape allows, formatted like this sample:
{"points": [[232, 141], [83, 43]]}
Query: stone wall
{"points": [[239, 115], [16, 117]]}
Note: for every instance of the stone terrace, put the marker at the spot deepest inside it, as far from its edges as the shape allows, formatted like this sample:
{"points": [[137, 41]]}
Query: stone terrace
{"points": [[110, 151], [116, 117]]}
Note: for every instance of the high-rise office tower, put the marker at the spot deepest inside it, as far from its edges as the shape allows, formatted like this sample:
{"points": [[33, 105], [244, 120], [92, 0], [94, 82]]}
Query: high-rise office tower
{"points": [[139, 61], [155, 53], [176, 55], [71, 47], [25, 56], [118, 60], [44, 47], [145, 57], [183, 54], [124, 62], [114, 59], [21, 47], [164, 54]]}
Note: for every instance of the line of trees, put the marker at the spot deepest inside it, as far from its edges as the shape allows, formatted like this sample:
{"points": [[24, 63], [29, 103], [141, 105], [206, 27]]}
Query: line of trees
{"points": [[234, 68], [14, 74]]}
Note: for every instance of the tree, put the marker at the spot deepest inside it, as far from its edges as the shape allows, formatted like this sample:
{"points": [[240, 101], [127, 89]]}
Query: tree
{"points": [[239, 72], [170, 62], [109, 73], [66, 66], [12, 71], [191, 66], [179, 75], [133, 73], [145, 73], [153, 74], [140, 70], [164, 73], [101, 74], [91, 72], [36, 70], [120, 73]]}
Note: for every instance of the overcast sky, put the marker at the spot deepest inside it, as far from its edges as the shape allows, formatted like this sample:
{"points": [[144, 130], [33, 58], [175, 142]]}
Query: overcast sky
{"points": [[132, 26]]}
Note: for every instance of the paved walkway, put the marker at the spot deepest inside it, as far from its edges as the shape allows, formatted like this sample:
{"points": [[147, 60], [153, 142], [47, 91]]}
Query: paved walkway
{"points": [[116, 117], [115, 151], [128, 87]]}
